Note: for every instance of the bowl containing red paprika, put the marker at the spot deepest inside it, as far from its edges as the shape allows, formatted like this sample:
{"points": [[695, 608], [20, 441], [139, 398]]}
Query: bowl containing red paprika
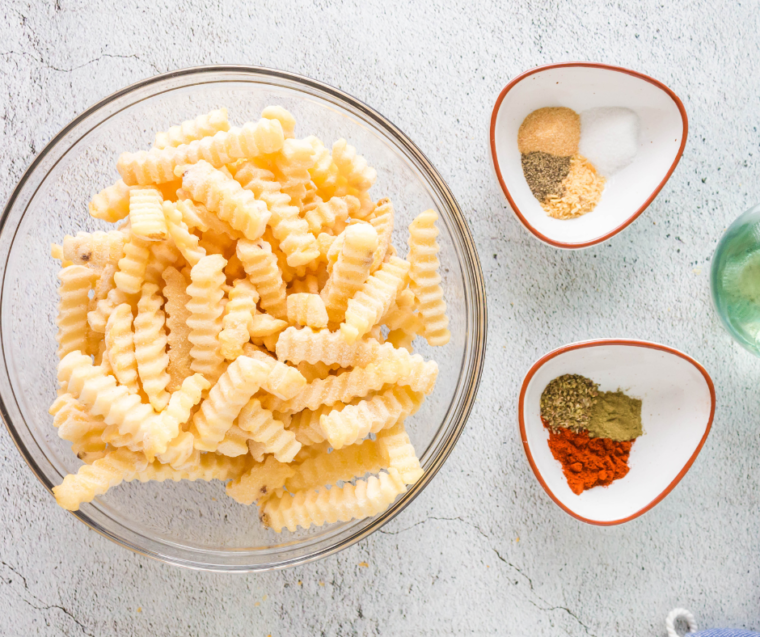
{"points": [[611, 426]]}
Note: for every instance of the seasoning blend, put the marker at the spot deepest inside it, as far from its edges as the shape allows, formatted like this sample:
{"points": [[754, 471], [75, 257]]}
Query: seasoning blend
{"points": [[566, 156], [565, 183], [590, 432]]}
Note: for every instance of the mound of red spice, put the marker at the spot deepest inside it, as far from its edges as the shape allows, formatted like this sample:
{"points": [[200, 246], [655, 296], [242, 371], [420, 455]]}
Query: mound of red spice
{"points": [[589, 462]]}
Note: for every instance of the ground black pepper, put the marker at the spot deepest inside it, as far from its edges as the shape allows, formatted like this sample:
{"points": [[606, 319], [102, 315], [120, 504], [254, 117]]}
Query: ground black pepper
{"points": [[545, 174]]}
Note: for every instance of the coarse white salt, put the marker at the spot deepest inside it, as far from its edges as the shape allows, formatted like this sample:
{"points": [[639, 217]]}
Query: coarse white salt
{"points": [[609, 138]]}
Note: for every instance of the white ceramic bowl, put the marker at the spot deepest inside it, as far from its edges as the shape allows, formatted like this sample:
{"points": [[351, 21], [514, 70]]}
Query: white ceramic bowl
{"points": [[581, 86], [678, 404]]}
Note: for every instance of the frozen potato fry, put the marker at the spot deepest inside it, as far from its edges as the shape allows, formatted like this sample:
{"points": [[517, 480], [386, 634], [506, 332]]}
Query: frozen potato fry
{"points": [[247, 321]]}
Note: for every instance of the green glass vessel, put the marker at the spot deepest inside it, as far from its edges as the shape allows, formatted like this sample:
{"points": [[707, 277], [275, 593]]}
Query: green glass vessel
{"points": [[735, 279]]}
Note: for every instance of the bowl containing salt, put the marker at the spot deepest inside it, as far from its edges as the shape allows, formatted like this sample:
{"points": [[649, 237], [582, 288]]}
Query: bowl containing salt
{"points": [[581, 149]]}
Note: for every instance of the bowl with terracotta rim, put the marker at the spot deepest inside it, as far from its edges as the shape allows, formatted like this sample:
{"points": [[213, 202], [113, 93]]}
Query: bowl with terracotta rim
{"points": [[580, 86], [678, 405]]}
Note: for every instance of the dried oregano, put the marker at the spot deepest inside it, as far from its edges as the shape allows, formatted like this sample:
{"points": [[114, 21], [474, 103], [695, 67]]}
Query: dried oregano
{"points": [[567, 401]]}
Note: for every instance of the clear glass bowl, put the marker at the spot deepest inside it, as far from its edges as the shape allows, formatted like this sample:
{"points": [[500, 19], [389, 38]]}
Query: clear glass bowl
{"points": [[735, 280], [190, 523]]}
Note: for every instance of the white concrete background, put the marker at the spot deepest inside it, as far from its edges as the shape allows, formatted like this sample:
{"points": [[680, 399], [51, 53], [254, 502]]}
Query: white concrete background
{"points": [[483, 551]]}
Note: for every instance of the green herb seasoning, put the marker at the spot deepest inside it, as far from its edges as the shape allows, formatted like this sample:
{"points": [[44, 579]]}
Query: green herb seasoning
{"points": [[567, 401], [615, 416]]}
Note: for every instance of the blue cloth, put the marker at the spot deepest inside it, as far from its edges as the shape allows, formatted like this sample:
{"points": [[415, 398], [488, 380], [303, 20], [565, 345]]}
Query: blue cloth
{"points": [[723, 632]]}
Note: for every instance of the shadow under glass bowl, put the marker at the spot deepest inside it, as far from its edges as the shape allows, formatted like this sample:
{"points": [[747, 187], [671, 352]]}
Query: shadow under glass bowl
{"points": [[188, 523]]}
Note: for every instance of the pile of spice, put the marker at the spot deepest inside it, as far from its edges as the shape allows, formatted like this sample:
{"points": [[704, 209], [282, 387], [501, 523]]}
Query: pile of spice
{"points": [[609, 138], [590, 432], [566, 156]]}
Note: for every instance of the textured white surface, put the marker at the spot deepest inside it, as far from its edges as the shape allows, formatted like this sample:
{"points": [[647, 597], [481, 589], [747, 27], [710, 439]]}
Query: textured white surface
{"points": [[483, 550]]}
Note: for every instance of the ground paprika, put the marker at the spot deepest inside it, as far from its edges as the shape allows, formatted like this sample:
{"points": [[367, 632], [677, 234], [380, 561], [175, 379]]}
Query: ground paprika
{"points": [[589, 462]]}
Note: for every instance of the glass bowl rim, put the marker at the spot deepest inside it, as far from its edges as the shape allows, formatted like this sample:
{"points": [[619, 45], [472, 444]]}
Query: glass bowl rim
{"points": [[715, 264], [470, 265]]}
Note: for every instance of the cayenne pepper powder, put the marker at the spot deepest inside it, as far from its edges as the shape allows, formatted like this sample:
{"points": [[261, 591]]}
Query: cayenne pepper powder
{"points": [[588, 462]]}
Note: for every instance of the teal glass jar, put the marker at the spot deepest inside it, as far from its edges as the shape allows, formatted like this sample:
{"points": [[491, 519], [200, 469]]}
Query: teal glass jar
{"points": [[735, 279]]}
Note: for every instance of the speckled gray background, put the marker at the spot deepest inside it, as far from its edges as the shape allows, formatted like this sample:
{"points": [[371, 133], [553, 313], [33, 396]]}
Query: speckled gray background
{"points": [[483, 550]]}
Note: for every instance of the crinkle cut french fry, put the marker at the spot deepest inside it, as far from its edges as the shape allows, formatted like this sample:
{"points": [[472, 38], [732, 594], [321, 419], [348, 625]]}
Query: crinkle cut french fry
{"points": [[323, 346], [146, 215], [238, 315], [326, 214], [180, 451], [305, 424], [132, 266], [227, 198], [96, 249], [103, 285], [381, 220], [98, 317], [163, 254], [207, 467], [283, 381], [234, 443], [365, 498], [341, 465], [205, 320], [186, 242], [101, 395], [351, 269], [150, 346], [324, 173], [394, 444], [188, 131], [73, 291], [307, 310], [112, 203], [80, 428], [240, 381], [270, 432], [423, 251], [197, 217], [356, 422], [403, 318], [120, 347], [374, 299], [262, 325], [309, 284], [311, 451], [285, 117], [261, 267], [95, 479], [261, 479], [353, 167], [217, 243], [172, 445], [178, 339], [400, 338], [290, 230], [158, 165], [355, 383], [292, 165]]}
